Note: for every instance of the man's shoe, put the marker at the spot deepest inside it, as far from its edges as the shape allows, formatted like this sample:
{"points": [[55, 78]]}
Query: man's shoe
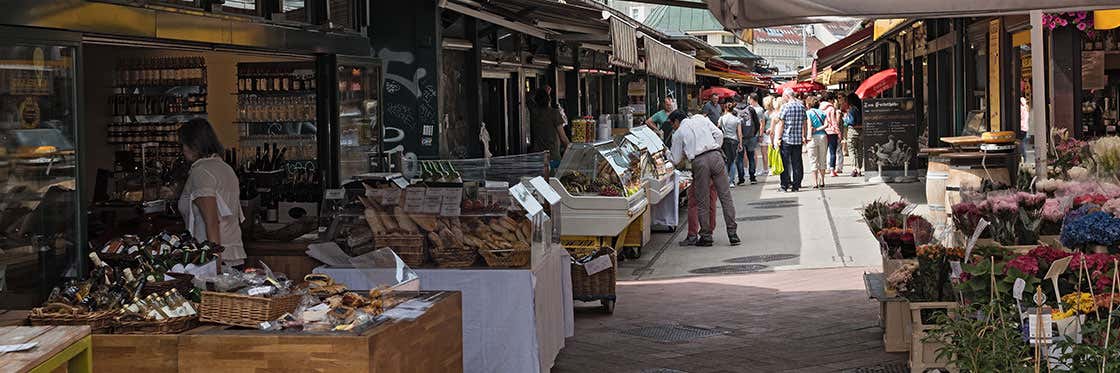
{"points": [[741, 182], [734, 238], [753, 181], [705, 242], [690, 241]]}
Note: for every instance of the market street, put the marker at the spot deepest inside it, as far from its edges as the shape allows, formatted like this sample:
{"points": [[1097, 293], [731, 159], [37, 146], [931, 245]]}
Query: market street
{"points": [[805, 309]]}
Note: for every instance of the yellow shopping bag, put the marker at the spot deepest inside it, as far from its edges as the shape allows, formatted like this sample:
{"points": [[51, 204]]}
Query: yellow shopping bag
{"points": [[775, 158]]}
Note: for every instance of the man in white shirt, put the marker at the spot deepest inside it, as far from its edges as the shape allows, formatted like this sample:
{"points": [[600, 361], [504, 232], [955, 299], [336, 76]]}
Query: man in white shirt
{"points": [[699, 140]]}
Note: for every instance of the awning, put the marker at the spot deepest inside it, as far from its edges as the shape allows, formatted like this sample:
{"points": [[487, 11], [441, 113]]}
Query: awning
{"points": [[665, 62], [733, 79], [831, 53], [737, 53], [624, 44], [744, 14]]}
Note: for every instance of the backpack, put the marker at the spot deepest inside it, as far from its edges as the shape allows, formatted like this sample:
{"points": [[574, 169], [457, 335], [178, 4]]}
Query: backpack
{"points": [[750, 122]]}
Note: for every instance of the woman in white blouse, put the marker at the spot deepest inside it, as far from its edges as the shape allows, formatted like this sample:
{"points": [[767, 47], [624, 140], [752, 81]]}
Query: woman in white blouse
{"points": [[210, 203]]}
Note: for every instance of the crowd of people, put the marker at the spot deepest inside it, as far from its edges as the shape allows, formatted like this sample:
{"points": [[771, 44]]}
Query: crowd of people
{"points": [[746, 130]]}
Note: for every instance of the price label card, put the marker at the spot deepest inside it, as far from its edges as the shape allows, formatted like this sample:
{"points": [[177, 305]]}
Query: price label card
{"points": [[1017, 289], [259, 290], [955, 270], [400, 182], [452, 202], [980, 227], [334, 194], [391, 197], [597, 265], [433, 201], [545, 190], [414, 199], [526, 199]]}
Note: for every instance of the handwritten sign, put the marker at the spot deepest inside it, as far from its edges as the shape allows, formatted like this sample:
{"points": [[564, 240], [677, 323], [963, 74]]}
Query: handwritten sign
{"points": [[980, 227], [597, 265], [414, 199]]}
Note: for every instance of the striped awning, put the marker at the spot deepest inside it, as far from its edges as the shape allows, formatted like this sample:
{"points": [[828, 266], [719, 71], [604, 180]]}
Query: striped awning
{"points": [[624, 44]]}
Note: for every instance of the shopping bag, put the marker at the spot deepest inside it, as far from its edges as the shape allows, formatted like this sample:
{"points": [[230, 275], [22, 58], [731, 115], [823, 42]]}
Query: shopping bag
{"points": [[775, 158]]}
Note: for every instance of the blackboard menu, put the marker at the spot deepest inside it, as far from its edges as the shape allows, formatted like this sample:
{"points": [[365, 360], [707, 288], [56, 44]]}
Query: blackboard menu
{"points": [[890, 133]]}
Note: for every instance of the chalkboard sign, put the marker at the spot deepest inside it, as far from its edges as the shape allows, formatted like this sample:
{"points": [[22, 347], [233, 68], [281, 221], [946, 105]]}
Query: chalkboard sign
{"points": [[890, 133]]}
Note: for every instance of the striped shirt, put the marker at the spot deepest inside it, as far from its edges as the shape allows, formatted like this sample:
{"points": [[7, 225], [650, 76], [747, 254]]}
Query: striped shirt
{"points": [[793, 118]]}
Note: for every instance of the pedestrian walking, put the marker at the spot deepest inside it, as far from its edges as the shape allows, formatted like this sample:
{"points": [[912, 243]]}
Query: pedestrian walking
{"points": [[792, 133], [712, 109], [699, 140], [832, 131], [732, 141], [751, 116], [765, 141], [818, 143], [853, 121], [546, 127]]}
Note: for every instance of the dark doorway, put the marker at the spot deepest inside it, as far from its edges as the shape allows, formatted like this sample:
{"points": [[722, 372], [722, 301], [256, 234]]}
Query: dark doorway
{"points": [[494, 114]]}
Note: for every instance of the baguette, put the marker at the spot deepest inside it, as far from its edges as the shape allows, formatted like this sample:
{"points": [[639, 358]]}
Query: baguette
{"points": [[426, 222], [404, 221], [374, 222], [388, 221]]}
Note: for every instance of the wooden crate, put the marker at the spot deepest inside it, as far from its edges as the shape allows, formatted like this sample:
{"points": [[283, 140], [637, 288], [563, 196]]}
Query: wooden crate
{"points": [[896, 325], [923, 355], [640, 230], [431, 343]]}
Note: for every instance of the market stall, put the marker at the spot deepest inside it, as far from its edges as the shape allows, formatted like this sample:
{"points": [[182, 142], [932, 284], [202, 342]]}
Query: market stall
{"points": [[602, 194], [662, 179], [463, 227]]}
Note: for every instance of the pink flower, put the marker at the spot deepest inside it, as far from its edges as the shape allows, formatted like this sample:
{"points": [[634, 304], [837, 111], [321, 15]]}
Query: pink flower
{"points": [[1082, 26], [1026, 264], [1052, 211]]}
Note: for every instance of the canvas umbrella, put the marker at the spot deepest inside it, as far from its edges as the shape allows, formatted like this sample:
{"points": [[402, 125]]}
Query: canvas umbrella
{"points": [[800, 87], [878, 83], [718, 91]]}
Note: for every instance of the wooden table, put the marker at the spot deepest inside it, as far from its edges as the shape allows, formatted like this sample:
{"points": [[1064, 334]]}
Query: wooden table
{"points": [[431, 343], [59, 346]]}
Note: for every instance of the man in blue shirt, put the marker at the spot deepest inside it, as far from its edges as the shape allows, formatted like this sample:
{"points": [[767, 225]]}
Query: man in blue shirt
{"points": [[793, 130]]}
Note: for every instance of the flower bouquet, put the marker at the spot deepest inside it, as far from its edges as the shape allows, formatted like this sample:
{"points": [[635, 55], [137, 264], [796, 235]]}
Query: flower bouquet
{"points": [[1089, 227], [1106, 156], [1053, 211], [899, 243], [880, 214], [930, 280], [1002, 211], [966, 216]]}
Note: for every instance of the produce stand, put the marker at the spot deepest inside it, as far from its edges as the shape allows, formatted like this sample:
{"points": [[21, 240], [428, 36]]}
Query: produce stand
{"points": [[429, 343], [65, 348]]}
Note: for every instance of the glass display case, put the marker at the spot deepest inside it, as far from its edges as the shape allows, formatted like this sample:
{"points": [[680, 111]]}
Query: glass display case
{"points": [[39, 224], [660, 181], [359, 117], [603, 169], [637, 153], [601, 188]]}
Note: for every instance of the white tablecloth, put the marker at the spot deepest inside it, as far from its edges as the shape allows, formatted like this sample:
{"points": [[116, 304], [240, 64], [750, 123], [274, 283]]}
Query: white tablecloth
{"points": [[666, 213], [514, 320]]}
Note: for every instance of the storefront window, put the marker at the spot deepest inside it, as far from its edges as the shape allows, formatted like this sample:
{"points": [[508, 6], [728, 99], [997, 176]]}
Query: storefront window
{"points": [[294, 10], [243, 7], [359, 126], [38, 219]]}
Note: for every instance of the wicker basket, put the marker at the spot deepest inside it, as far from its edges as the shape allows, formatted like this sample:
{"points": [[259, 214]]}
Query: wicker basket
{"points": [[506, 258], [169, 326], [243, 310], [182, 282], [410, 248], [454, 257], [99, 322], [596, 286]]}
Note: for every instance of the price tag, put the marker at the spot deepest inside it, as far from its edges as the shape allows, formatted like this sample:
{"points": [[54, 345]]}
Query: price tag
{"points": [[1017, 289], [414, 199], [597, 265], [980, 227], [391, 197], [545, 190], [400, 182], [259, 290], [1058, 267], [334, 194], [452, 202], [526, 199], [433, 201], [955, 268]]}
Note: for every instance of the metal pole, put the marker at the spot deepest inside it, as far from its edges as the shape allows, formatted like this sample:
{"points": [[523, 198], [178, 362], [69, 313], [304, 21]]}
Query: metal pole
{"points": [[1038, 96]]}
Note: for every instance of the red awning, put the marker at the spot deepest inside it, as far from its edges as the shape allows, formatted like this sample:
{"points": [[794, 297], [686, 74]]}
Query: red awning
{"points": [[840, 45]]}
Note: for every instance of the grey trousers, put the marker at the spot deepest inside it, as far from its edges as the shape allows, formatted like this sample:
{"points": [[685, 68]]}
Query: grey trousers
{"points": [[710, 168]]}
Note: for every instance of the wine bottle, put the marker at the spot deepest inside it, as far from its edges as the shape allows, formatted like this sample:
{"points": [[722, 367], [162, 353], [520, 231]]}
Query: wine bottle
{"points": [[176, 298]]}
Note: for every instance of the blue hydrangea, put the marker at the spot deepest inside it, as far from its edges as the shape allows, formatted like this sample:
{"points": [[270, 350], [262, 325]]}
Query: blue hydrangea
{"points": [[1095, 228]]}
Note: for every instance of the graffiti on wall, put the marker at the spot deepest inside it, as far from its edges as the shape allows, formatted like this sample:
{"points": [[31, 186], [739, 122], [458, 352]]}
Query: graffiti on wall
{"points": [[410, 105]]}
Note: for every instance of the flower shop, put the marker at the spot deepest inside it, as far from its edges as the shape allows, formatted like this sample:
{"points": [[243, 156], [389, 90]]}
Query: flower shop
{"points": [[1018, 278]]}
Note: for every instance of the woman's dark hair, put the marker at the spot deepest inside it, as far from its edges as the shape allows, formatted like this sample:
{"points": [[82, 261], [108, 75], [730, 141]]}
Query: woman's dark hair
{"points": [[198, 135], [853, 99], [541, 98], [677, 116]]}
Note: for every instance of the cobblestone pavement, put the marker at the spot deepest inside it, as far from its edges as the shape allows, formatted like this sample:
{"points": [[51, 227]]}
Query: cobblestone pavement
{"points": [[805, 310]]}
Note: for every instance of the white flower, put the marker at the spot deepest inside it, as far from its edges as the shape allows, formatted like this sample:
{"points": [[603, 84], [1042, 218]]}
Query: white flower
{"points": [[1078, 173]]}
